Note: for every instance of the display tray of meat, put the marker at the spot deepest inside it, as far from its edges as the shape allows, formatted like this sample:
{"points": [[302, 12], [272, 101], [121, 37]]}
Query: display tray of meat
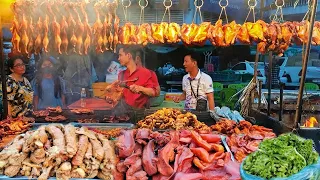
{"points": [[110, 130], [84, 116], [50, 111], [174, 119], [88, 120], [82, 111], [57, 109], [243, 138], [177, 155], [14, 126], [58, 151]]}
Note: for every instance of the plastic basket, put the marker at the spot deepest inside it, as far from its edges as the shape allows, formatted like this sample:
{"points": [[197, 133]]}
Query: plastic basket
{"points": [[99, 89], [225, 76]]}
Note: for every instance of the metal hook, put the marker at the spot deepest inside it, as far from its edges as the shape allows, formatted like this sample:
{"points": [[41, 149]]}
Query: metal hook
{"points": [[276, 3], [142, 7], [170, 4], [122, 2], [254, 4], [227, 3], [198, 6]]}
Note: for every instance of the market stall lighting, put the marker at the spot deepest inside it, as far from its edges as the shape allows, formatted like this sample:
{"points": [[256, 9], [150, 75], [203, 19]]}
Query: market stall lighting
{"points": [[311, 122]]}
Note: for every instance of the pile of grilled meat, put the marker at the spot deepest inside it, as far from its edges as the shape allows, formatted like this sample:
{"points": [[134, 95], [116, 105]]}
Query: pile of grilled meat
{"points": [[168, 118], [173, 155], [59, 151]]}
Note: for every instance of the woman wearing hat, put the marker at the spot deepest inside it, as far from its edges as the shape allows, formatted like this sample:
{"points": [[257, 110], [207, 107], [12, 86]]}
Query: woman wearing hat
{"points": [[49, 88]]}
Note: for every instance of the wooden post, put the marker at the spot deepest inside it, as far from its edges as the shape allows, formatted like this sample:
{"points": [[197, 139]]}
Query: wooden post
{"points": [[269, 82], [260, 91], [3, 76], [261, 11], [297, 118]]}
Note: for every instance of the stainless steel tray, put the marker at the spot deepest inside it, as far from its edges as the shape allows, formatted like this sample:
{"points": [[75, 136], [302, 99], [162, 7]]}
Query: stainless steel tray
{"points": [[105, 125], [28, 178], [91, 125]]}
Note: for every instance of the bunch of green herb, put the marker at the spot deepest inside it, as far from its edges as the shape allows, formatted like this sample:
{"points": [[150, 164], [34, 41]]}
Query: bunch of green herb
{"points": [[280, 157]]}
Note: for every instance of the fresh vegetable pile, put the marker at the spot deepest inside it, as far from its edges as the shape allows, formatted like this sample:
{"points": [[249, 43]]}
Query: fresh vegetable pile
{"points": [[281, 157]]}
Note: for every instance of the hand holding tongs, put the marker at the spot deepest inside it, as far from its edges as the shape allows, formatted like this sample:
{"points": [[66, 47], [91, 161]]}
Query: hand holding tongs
{"points": [[124, 83], [224, 142], [120, 83]]}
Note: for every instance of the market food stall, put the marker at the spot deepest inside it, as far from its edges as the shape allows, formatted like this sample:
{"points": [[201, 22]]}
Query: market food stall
{"points": [[86, 141]]}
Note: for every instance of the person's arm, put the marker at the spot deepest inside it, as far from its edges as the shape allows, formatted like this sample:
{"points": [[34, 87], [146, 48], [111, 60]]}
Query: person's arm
{"points": [[144, 90], [209, 91], [63, 100], [35, 95], [11, 87], [148, 88], [158, 89], [35, 102], [210, 98], [64, 91], [156, 83], [182, 97], [9, 110]]}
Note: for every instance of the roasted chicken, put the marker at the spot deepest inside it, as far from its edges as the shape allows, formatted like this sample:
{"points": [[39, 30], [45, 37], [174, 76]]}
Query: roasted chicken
{"points": [[128, 34], [256, 30], [243, 35], [158, 32], [56, 31], [15, 36], [144, 35], [87, 31], [216, 34], [188, 33], [116, 33], [230, 32], [172, 35], [316, 34], [106, 32], [110, 32], [79, 30], [64, 35], [45, 41], [38, 41], [32, 37], [202, 33], [98, 31]]}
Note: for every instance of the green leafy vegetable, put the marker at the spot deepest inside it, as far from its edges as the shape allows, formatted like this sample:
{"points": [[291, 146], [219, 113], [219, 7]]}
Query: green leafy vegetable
{"points": [[280, 157]]}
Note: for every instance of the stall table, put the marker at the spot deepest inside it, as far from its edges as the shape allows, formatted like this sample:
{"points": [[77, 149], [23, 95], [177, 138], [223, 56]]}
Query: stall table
{"points": [[92, 103]]}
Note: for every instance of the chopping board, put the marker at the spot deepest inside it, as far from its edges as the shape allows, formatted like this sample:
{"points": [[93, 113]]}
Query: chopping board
{"points": [[93, 104]]}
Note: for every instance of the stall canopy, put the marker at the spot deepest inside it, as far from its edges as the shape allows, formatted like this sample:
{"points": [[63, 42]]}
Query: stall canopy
{"points": [[236, 10]]}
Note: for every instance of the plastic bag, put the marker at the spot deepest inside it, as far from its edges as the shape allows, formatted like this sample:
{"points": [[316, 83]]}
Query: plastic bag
{"points": [[311, 172]]}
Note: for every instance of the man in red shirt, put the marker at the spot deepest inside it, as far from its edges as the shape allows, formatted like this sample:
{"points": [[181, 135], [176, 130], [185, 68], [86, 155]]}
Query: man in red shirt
{"points": [[139, 91], [138, 61]]}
